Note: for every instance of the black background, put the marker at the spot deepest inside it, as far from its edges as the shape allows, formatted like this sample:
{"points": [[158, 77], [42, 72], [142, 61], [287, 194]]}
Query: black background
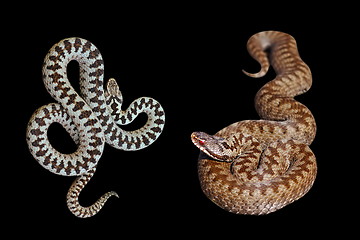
{"points": [[189, 58]]}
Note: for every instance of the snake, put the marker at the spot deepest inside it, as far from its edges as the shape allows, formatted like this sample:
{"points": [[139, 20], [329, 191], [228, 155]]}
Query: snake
{"points": [[256, 167], [91, 117]]}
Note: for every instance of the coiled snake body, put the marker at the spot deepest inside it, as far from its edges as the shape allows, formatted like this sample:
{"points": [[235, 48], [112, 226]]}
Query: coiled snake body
{"points": [[259, 166], [90, 118]]}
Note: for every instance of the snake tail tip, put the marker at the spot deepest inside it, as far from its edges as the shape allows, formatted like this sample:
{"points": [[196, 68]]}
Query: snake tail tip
{"points": [[255, 75]]}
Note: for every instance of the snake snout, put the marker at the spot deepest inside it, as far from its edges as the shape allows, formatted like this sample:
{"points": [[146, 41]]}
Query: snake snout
{"points": [[199, 138]]}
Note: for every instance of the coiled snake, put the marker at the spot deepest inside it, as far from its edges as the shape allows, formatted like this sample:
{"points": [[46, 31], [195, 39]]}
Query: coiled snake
{"points": [[90, 118], [259, 166]]}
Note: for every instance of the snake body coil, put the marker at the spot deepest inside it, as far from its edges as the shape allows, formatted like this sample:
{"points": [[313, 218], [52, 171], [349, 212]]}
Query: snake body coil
{"points": [[90, 118], [259, 166]]}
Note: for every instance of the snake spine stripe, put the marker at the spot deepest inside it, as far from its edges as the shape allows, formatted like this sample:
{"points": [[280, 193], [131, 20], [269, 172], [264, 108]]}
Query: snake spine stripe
{"points": [[259, 166], [87, 117]]}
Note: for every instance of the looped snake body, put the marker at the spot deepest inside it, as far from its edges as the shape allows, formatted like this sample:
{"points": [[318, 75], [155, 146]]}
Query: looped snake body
{"points": [[259, 166], [91, 118]]}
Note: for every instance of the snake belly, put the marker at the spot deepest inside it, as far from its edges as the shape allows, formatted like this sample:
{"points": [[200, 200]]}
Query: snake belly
{"points": [[259, 166], [87, 118]]}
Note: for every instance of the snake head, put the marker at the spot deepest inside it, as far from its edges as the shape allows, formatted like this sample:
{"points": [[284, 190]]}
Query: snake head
{"points": [[113, 93], [214, 146]]}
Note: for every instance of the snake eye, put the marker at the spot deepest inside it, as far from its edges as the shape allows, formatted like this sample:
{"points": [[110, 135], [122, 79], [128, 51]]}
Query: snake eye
{"points": [[201, 142]]}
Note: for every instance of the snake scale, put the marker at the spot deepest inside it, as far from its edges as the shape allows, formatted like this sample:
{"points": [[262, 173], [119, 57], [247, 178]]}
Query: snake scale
{"points": [[259, 166], [91, 118]]}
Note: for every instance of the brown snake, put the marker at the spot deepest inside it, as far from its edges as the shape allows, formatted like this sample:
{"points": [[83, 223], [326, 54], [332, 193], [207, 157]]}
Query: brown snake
{"points": [[259, 166]]}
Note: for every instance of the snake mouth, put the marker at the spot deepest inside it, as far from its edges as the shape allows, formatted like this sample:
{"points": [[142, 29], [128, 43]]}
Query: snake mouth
{"points": [[198, 140]]}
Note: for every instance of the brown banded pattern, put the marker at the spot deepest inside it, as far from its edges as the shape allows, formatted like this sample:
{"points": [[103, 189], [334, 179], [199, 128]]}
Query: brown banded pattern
{"points": [[259, 166], [87, 118]]}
